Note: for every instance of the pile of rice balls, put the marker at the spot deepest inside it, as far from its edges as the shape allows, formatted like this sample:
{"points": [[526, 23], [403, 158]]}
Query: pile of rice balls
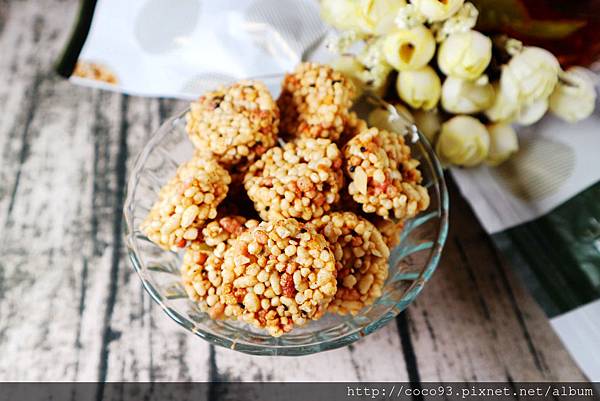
{"points": [[289, 207]]}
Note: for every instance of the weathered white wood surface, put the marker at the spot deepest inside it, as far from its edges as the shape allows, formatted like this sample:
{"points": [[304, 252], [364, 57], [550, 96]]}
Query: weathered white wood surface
{"points": [[71, 307]]}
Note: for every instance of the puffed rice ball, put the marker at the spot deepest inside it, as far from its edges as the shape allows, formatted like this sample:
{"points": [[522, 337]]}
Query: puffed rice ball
{"points": [[301, 180], [277, 275], [237, 123], [201, 268], [315, 102], [186, 202], [201, 277], [361, 260], [385, 179]]}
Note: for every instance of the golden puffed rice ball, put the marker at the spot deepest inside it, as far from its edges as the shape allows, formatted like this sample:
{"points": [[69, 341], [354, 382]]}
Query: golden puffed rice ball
{"points": [[203, 258], [278, 275], [186, 202], [236, 124], [361, 260], [302, 180], [384, 177], [315, 101]]}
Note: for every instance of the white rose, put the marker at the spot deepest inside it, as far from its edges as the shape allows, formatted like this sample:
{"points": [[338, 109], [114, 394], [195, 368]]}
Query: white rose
{"points": [[465, 55], [460, 96], [409, 49], [342, 14], [532, 113], [574, 98], [420, 89], [529, 76], [428, 122], [377, 17], [437, 10], [503, 143], [463, 141], [353, 70]]}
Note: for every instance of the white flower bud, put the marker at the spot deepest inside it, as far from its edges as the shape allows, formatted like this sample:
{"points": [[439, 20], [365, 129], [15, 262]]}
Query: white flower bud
{"points": [[342, 14], [428, 122], [409, 49], [465, 55], [353, 70], [377, 17], [466, 97], [420, 89], [437, 10], [529, 76], [503, 143], [574, 98], [532, 113], [463, 141]]}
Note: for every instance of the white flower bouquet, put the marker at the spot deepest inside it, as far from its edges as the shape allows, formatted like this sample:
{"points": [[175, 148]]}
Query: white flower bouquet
{"points": [[465, 90]]}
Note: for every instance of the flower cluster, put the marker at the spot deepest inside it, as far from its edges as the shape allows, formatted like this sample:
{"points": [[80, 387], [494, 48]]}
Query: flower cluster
{"points": [[441, 66]]}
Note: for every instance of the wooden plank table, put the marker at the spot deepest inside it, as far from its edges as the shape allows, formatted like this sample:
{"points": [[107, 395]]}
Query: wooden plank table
{"points": [[72, 308]]}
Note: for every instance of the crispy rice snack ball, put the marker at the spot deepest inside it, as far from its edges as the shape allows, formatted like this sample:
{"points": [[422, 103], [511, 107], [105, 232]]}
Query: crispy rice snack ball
{"points": [[385, 179], [237, 123], [186, 202], [361, 260], [315, 102], [202, 261], [277, 275], [301, 180]]}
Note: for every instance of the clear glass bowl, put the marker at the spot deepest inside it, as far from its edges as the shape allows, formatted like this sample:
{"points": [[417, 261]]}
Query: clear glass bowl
{"points": [[411, 263]]}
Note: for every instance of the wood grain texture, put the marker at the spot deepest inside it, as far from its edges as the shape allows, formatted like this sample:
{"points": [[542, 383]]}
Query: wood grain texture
{"points": [[71, 307]]}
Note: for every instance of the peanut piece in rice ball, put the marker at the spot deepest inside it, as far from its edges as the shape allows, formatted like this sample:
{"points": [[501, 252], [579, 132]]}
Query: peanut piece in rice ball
{"points": [[301, 180], [361, 260], [225, 229], [390, 230], [385, 178], [315, 102], [201, 268], [186, 202], [236, 124], [277, 275]]}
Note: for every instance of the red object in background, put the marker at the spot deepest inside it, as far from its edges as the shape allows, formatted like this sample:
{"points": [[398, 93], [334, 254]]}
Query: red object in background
{"points": [[570, 29]]}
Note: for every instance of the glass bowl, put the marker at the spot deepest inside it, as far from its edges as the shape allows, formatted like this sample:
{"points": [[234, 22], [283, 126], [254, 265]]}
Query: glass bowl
{"points": [[411, 263]]}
